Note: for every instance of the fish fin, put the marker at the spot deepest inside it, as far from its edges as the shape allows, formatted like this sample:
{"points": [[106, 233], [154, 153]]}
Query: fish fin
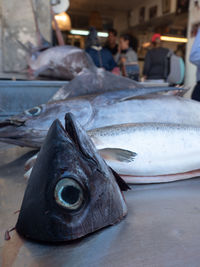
{"points": [[121, 183], [151, 90], [117, 154], [64, 92], [40, 70]]}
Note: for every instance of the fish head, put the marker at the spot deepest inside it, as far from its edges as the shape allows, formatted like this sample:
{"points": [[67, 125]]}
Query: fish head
{"points": [[27, 128], [30, 127], [63, 62], [71, 191]]}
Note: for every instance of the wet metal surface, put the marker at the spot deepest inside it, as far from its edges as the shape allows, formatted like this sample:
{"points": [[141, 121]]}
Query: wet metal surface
{"points": [[16, 96], [162, 227]]}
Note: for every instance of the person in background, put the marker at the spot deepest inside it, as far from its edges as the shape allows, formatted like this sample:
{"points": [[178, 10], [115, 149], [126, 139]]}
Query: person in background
{"points": [[195, 59], [111, 43], [155, 61], [180, 51], [127, 58], [101, 57], [126, 54]]}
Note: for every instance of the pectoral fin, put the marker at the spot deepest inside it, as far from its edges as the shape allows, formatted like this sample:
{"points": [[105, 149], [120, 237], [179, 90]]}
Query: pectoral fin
{"points": [[117, 154], [121, 183]]}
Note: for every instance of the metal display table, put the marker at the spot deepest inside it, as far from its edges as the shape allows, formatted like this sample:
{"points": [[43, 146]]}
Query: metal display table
{"points": [[17, 96], [162, 227]]}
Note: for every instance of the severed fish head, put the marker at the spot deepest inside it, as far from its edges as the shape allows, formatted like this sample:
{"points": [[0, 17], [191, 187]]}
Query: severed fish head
{"points": [[71, 191]]}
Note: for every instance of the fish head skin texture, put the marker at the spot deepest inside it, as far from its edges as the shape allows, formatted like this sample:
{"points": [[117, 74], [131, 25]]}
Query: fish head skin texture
{"points": [[30, 127], [71, 191]]}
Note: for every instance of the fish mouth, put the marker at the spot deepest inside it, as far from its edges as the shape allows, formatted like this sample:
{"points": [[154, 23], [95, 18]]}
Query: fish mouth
{"points": [[14, 132], [9, 122], [11, 128]]}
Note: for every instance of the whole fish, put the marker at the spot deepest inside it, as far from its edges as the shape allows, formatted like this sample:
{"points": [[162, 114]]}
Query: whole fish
{"points": [[150, 152], [98, 80], [72, 63], [71, 191], [61, 62], [94, 81], [111, 108]]}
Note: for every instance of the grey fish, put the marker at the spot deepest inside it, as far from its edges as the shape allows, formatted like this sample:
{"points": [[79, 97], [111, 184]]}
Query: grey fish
{"points": [[111, 108], [71, 63], [71, 191], [61, 62], [97, 80], [94, 81], [150, 152]]}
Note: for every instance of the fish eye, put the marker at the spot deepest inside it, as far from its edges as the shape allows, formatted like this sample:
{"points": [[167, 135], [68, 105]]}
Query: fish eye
{"points": [[68, 194], [33, 111]]}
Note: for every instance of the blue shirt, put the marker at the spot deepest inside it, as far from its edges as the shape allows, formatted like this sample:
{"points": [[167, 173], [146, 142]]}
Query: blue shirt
{"points": [[195, 54], [102, 58]]}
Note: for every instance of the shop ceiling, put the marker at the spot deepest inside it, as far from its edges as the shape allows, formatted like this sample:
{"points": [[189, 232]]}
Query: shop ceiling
{"points": [[103, 5], [108, 8], [80, 11]]}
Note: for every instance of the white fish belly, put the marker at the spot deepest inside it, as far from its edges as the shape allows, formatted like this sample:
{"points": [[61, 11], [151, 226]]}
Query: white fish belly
{"points": [[160, 149]]}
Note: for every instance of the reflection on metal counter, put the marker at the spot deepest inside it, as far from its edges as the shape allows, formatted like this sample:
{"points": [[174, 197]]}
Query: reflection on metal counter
{"points": [[161, 229]]}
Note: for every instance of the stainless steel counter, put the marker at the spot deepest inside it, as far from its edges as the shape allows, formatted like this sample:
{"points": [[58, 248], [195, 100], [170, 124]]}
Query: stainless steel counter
{"points": [[162, 227], [26, 94]]}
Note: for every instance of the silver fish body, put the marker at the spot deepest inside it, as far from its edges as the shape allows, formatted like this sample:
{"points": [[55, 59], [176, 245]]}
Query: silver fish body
{"points": [[111, 108], [162, 152]]}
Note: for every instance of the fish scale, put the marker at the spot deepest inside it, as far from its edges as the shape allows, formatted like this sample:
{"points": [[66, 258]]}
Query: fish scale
{"points": [[162, 149], [148, 152]]}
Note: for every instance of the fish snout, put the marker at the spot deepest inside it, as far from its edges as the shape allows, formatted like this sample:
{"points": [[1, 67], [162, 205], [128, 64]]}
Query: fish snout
{"points": [[16, 132], [11, 129], [11, 122]]}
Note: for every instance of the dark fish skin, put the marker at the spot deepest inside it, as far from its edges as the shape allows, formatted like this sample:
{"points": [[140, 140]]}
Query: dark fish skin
{"points": [[89, 197], [60, 62], [92, 111], [94, 81]]}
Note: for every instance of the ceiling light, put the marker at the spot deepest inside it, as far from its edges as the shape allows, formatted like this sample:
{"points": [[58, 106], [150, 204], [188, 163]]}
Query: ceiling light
{"points": [[79, 32], [102, 34], [174, 39], [64, 21], [83, 32]]}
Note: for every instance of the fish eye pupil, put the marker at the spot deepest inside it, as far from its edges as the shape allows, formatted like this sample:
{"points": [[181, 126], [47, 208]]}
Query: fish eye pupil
{"points": [[70, 194], [33, 111]]}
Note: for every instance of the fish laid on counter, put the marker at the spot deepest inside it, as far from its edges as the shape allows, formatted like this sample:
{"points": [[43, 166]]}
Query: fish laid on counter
{"points": [[111, 108], [150, 152], [94, 81], [71, 191], [147, 152], [72, 63], [61, 62], [97, 80]]}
